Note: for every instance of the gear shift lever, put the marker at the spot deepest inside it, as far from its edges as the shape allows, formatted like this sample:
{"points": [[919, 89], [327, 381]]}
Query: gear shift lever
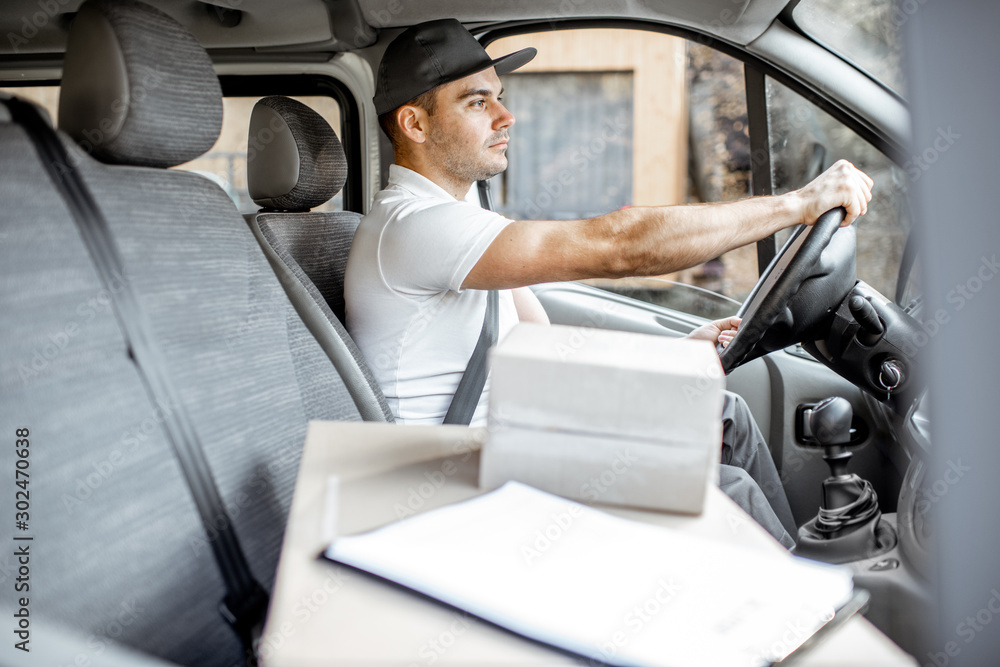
{"points": [[847, 526], [830, 422]]}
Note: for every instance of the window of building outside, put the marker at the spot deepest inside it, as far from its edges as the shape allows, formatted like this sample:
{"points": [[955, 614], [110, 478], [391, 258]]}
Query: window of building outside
{"points": [[226, 162], [577, 158], [607, 118]]}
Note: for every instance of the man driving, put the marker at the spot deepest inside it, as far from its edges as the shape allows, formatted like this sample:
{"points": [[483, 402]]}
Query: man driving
{"points": [[426, 254]]}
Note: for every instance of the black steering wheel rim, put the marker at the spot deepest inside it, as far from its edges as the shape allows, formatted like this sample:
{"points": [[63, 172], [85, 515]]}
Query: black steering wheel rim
{"points": [[779, 283]]}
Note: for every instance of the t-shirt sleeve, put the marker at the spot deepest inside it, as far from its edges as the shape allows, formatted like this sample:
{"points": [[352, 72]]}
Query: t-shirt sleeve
{"points": [[434, 248]]}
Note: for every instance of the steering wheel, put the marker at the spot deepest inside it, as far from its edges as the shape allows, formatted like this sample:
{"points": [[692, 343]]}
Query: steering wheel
{"points": [[770, 298]]}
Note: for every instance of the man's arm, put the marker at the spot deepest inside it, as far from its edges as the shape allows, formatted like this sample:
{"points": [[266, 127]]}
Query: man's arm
{"points": [[649, 241], [529, 309]]}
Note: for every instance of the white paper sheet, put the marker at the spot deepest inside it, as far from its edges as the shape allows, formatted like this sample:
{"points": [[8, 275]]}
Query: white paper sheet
{"points": [[609, 589]]}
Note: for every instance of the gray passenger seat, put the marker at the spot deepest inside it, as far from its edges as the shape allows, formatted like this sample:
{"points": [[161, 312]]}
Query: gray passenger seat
{"points": [[119, 552], [294, 164]]}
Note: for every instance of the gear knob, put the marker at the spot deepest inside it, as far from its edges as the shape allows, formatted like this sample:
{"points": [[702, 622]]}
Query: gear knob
{"points": [[830, 421]]}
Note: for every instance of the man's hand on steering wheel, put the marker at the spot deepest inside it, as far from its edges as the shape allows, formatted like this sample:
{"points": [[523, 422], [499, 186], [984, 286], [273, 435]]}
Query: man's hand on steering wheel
{"points": [[717, 332], [843, 184]]}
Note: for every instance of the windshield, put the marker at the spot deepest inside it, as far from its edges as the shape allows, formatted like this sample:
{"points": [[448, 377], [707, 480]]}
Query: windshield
{"points": [[868, 33]]}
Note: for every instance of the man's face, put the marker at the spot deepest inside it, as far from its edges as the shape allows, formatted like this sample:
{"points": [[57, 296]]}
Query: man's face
{"points": [[467, 136]]}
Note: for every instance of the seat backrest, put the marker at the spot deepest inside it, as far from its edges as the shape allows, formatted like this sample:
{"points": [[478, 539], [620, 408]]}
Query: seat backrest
{"points": [[301, 166], [119, 552]]}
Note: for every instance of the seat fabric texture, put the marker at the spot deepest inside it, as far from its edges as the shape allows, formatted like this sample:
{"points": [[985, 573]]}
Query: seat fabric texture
{"points": [[118, 65], [309, 249], [120, 551]]}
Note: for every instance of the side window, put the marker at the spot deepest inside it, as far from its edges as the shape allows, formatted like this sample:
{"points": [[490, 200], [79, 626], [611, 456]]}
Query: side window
{"points": [[226, 162], [608, 118], [804, 141], [46, 97], [869, 34]]}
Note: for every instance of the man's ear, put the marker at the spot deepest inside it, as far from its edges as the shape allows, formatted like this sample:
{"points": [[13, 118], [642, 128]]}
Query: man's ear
{"points": [[412, 122]]}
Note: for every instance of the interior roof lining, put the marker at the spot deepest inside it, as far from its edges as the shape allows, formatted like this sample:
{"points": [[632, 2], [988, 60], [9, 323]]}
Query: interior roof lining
{"points": [[737, 21], [31, 27]]}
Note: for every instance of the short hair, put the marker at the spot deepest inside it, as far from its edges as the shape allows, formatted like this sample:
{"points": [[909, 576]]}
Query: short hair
{"points": [[387, 121]]}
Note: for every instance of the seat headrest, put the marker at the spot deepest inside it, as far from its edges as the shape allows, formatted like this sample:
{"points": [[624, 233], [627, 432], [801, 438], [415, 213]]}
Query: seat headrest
{"points": [[295, 161], [137, 88]]}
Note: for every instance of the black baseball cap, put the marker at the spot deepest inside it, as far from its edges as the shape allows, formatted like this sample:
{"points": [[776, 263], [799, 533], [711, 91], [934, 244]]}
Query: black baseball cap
{"points": [[431, 54]]}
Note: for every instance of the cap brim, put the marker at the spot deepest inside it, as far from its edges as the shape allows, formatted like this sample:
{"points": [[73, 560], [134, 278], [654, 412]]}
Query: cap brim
{"points": [[510, 62]]}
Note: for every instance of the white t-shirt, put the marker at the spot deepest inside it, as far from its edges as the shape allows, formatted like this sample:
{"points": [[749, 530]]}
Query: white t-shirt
{"points": [[406, 310]]}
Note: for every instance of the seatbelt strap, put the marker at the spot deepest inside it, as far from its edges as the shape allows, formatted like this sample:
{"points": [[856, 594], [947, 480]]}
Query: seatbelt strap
{"points": [[245, 603], [470, 389]]}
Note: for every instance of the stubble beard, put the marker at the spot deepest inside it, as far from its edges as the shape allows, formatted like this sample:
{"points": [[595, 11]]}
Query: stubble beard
{"points": [[465, 165]]}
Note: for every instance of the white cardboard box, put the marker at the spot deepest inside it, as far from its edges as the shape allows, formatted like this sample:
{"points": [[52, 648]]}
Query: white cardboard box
{"points": [[567, 404], [611, 382], [602, 469]]}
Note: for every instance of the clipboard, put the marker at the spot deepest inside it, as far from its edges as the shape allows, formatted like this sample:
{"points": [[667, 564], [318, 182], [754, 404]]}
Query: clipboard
{"points": [[856, 605], [478, 556]]}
